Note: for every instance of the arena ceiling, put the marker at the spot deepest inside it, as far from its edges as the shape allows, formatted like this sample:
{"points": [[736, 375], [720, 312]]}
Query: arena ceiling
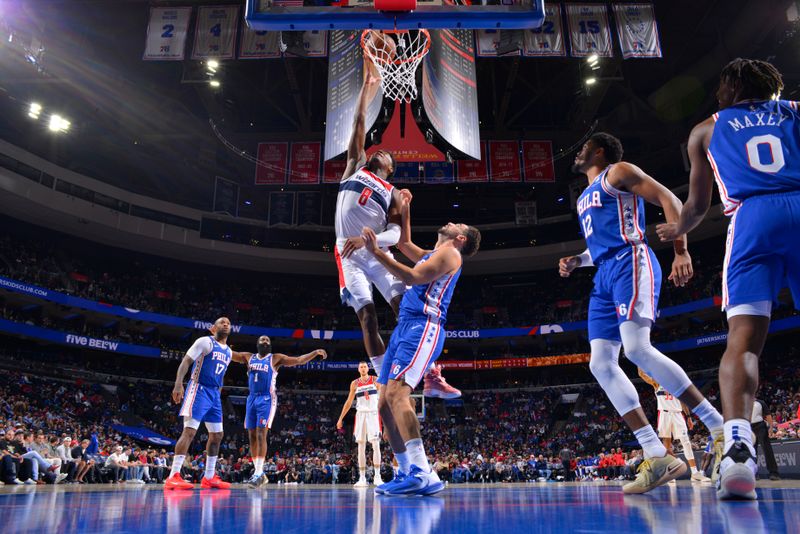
{"points": [[144, 126]]}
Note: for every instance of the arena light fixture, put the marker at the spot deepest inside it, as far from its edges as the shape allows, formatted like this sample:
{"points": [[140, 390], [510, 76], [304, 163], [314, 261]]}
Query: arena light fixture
{"points": [[214, 83], [212, 64], [34, 110], [591, 81], [58, 124], [592, 59]]}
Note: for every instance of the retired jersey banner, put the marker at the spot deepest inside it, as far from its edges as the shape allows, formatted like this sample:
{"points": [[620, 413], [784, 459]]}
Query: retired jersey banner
{"points": [[333, 171], [273, 159], [215, 32], [304, 163], [537, 161], [226, 197], [439, 172], [504, 161], [637, 30], [259, 45], [166, 33], [547, 41], [489, 41], [588, 30], [406, 172], [470, 170], [315, 43]]}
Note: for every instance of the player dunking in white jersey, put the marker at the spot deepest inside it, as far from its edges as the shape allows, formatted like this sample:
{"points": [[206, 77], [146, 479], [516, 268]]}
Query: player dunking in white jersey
{"points": [[367, 200], [672, 424], [365, 390]]}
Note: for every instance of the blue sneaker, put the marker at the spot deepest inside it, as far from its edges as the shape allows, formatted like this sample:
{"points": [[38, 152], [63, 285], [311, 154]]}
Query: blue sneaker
{"points": [[386, 486], [418, 482]]}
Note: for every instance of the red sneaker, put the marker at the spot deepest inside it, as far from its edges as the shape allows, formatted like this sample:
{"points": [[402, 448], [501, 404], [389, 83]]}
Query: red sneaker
{"points": [[175, 482], [215, 483], [437, 386]]}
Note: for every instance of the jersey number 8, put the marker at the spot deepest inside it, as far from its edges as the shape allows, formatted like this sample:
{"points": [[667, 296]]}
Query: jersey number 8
{"points": [[365, 194]]}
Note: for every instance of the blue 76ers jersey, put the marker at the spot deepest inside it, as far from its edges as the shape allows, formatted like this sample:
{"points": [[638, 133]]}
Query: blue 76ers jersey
{"points": [[209, 369], [261, 376], [429, 301], [755, 150], [611, 220]]}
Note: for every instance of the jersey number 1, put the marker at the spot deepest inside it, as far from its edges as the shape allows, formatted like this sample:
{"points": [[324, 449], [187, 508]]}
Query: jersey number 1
{"points": [[775, 149]]}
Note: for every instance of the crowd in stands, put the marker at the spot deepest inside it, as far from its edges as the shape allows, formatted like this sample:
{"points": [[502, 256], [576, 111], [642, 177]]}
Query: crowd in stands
{"points": [[154, 284], [57, 429]]}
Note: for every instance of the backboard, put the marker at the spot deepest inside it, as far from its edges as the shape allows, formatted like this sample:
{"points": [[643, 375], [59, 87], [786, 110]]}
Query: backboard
{"points": [[301, 15]]}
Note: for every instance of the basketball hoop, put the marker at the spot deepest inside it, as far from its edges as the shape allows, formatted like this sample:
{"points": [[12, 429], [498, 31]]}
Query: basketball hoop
{"points": [[397, 70]]}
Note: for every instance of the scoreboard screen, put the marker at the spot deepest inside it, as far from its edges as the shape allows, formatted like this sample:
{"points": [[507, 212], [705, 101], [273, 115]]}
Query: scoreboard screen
{"points": [[449, 93], [345, 77]]}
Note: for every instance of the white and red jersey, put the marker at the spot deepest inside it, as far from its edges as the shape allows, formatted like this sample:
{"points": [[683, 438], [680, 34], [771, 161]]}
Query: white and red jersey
{"points": [[367, 394], [364, 200], [666, 402]]}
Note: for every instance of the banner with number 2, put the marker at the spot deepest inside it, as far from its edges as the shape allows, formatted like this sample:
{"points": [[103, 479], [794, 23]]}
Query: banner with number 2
{"points": [[166, 33], [215, 33]]}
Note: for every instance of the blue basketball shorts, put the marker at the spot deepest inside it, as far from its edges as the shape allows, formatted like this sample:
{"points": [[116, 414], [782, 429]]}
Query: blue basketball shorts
{"points": [[414, 346], [202, 403], [625, 286], [260, 411], [762, 255]]}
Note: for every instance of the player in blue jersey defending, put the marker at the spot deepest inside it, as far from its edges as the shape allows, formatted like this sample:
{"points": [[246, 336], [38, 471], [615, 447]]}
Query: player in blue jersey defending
{"points": [[262, 401], [417, 341], [209, 357], [751, 147], [624, 300]]}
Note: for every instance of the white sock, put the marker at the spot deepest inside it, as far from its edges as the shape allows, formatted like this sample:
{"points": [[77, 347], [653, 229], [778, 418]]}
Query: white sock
{"points": [[738, 430], [211, 465], [403, 461], [694, 469], [416, 453], [259, 465], [709, 416], [651, 445], [177, 463], [377, 363]]}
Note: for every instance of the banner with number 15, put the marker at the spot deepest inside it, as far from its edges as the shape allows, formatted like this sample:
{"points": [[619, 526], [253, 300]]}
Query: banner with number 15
{"points": [[215, 32], [166, 33]]}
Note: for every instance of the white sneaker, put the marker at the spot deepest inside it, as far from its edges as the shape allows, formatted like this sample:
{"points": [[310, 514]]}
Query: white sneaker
{"points": [[362, 483], [377, 480], [737, 474], [17, 482], [60, 478], [699, 476], [30, 482]]}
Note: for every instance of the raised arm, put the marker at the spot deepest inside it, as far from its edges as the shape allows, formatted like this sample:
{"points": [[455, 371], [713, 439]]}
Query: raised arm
{"points": [[631, 178], [356, 155], [409, 249], [347, 405], [701, 182], [282, 360], [240, 357], [439, 264]]}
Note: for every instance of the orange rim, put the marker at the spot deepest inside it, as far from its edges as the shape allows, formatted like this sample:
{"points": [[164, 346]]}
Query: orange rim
{"points": [[365, 35]]}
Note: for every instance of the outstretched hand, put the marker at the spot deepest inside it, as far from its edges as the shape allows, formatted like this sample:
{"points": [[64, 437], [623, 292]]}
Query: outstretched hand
{"points": [[667, 231], [566, 265], [406, 197], [682, 270], [321, 353], [370, 240]]}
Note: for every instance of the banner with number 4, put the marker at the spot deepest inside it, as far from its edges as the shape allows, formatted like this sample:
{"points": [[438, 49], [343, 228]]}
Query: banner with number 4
{"points": [[166, 33], [215, 32]]}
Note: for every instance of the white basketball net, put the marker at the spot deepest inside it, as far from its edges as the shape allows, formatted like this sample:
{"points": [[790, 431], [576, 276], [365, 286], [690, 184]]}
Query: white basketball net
{"points": [[398, 74]]}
